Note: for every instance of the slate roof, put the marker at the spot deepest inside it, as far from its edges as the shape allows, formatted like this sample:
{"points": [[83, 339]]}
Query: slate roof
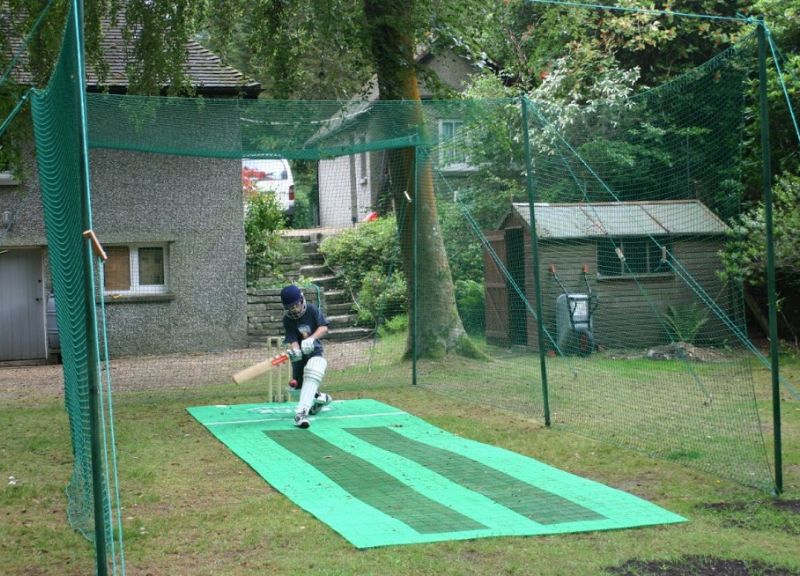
{"points": [[204, 69], [587, 220]]}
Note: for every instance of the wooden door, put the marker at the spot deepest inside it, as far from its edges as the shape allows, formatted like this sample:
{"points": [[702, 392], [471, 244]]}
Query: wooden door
{"points": [[495, 287]]}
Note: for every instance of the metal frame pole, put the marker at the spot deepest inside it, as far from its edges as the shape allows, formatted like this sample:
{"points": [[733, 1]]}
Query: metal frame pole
{"points": [[766, 175], [415, 266], [535, 249], [93, 352]]}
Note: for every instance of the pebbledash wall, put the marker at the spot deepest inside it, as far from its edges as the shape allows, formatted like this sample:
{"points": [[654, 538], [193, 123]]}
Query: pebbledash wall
{"points": [[194, 207], [191, 205]]}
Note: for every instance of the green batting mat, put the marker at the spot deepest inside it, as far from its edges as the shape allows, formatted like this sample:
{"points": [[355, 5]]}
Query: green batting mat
{"points": [[380, 476]]}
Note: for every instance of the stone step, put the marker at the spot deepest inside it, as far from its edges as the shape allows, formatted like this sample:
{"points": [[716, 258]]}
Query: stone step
{"points": [[264, 312], [337, 296], [327, 283], [311, 248], [341, 320], [343, 308], [315, 258], [348, 334], [314, 271]]}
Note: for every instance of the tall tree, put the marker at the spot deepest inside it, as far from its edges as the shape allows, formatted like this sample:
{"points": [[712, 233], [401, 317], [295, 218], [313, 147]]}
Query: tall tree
{"points": [[383, 34], [438, 327]]}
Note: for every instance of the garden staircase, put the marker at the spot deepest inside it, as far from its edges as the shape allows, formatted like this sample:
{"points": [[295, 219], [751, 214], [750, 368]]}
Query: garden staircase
{"points": [[338, 305]]}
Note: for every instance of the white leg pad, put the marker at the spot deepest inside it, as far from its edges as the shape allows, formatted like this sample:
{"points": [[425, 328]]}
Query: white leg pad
{"points": [[312, 380]]}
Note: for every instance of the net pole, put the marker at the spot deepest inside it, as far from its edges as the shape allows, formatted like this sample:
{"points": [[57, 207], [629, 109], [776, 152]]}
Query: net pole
{"points": [[529, 183], [415, 266], [766, 175], [91, 320]]}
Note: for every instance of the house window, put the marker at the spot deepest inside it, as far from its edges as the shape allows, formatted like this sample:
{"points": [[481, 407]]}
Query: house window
{"points": [[453, 146], [632, 256], [136, 269]]}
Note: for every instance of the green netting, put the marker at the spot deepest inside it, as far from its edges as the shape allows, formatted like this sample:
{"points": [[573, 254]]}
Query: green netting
{"points": [[381, 477], [558, 260], [295, 129], [643, 343], [57, 124]]}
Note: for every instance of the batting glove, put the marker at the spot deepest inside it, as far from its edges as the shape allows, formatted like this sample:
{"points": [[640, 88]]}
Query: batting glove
{"points": [[307, 346], [295, 354]]}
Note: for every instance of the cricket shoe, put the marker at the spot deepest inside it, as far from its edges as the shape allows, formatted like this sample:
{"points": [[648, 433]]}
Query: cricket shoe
{"points": [[301, 419], [320, 399]]}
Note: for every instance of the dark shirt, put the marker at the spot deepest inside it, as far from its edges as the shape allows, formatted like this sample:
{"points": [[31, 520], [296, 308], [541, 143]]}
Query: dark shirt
{"points": [[303, 327]]}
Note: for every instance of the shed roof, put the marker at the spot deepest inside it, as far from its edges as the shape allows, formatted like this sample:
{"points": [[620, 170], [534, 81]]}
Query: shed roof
{"points": [[585, 220]]}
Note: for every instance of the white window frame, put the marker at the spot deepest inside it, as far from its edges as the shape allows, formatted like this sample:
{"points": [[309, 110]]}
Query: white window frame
{"points": [[138, 289], [652, 262], [464, 166]]}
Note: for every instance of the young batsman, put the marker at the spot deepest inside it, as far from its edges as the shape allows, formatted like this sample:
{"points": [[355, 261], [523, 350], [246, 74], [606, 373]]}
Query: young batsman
{"points": [[304, 325]]}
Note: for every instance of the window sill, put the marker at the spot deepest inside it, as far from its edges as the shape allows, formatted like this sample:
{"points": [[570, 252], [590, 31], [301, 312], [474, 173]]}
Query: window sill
{"points": [[138, 298]]}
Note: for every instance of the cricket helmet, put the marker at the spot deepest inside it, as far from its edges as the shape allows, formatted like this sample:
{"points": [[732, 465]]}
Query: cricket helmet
{"points": [[293, 301]]}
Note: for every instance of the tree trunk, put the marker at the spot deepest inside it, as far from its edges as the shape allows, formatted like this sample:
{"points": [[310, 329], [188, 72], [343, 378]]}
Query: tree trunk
{"points": [[390, 24]]}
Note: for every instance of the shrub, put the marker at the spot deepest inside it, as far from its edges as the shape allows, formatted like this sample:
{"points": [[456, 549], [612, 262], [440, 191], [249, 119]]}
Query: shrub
{"points": [[381, 297], [265, 249], [370, 247], [684, 322], [263, 214], [471, 303], [306, 194], [397, 325], [464, 250]]}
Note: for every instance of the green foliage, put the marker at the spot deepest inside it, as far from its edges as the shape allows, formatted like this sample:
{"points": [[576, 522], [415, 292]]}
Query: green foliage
{"points": [[371, 246], [744, 254], [381, 297], [265, 248], [302, 216], [395, 325], [471, 303], [368, 256], [263, 214], [464, 250], [783, 20], [685, 322], [306, 193], [529, 38], [308, 49]]}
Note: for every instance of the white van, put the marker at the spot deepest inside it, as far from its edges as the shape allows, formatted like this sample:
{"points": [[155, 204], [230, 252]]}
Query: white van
{"points": [[273, 175]]}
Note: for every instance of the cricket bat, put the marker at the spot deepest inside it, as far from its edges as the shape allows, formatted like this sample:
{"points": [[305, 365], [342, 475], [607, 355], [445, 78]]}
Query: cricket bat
{"points": [[257, 370]]}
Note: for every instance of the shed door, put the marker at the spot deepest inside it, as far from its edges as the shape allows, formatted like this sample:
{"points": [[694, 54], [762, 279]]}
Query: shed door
{"points": [[22, 306], [495, 286], [517, 310]]}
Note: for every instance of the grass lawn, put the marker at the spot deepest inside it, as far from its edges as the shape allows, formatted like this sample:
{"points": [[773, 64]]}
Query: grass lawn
{"points": [[192, 507]]}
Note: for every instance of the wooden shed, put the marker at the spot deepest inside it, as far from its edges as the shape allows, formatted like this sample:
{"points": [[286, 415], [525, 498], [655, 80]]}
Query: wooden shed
{"points": [[637, 257]]}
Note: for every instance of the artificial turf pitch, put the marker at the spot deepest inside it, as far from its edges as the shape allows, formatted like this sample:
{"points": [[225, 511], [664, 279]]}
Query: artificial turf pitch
{"points": [[380, 476]]}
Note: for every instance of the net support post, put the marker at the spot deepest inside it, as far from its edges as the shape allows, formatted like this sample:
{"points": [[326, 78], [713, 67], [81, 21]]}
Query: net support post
{"points": [[93, 355], [766, 176], [530, 185], [415, 265]]}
